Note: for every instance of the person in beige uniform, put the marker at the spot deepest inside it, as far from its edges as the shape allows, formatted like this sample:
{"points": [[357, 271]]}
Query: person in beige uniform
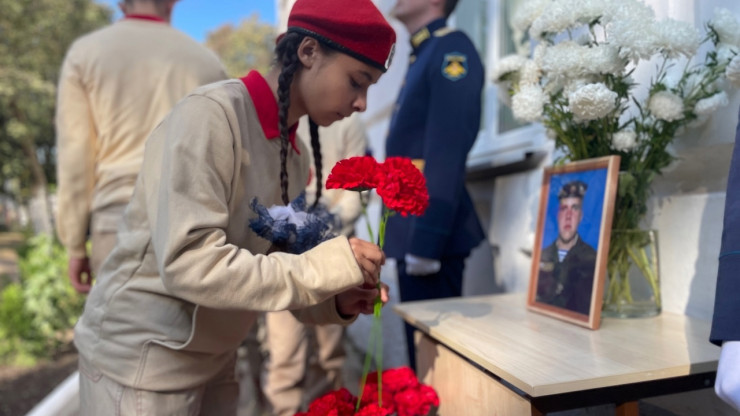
{"points": [[299, 370], [116, 84], [187, 276]]}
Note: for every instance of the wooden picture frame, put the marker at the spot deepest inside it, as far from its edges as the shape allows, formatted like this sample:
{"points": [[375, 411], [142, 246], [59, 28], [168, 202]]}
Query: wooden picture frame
{"points": [[571, 245]]}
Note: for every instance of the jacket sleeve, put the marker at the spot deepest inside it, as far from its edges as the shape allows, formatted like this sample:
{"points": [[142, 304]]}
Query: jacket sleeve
{"points": [[453, 121], [727, 298], [76, 142], [189, 171]]}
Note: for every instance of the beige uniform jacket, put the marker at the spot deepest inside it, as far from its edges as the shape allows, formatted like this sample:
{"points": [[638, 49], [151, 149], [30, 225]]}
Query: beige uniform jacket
{"points": [[116, 84], [342, 140], [179, 292]]}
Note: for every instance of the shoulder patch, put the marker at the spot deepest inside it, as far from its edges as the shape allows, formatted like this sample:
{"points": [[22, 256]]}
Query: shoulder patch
{"points": [[455, 66], [443, 31]]}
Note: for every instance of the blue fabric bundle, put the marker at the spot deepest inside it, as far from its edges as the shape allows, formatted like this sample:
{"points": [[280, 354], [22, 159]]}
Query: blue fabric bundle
{"points": [[294, 228]]}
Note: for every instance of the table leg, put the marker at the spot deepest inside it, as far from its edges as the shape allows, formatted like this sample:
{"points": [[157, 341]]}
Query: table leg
{"points": [[463, 389], [628, 409]]}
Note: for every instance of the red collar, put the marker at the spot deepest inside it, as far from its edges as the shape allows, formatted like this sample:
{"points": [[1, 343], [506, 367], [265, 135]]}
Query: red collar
{"points": [[267, 108], [151, 17]]}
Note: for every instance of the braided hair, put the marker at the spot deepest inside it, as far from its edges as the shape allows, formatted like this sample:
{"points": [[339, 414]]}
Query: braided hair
{"points": [[287, 57], [316, 148], [286, 52]]}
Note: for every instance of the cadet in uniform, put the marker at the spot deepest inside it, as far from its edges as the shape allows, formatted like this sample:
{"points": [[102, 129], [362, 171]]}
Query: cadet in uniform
{"points": [[116, 85], [436, 121], [725, 328], [567, 266]]}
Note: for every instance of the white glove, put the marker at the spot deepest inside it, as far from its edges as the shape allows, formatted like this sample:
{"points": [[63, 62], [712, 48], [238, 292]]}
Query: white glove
{"points": [[420, 266], [727, 385]]}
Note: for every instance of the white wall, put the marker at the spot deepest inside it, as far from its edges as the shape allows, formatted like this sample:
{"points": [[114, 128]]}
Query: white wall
{"points": [[687, 206]]}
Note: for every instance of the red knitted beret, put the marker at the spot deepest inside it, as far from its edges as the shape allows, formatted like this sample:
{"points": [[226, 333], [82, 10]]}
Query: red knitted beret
{"points": [[355, 27]]}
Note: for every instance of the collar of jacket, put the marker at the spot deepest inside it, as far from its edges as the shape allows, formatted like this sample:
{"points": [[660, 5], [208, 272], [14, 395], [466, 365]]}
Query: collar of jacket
{"points": [[267, 107], [149, 17], [423, 34]]}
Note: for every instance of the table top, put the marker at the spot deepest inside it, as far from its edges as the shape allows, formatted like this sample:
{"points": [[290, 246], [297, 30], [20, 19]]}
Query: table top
{"points": [[541, 355]]}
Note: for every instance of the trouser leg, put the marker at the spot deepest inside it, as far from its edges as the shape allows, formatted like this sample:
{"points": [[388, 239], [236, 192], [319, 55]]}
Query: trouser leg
{"points": [[286, 365]]}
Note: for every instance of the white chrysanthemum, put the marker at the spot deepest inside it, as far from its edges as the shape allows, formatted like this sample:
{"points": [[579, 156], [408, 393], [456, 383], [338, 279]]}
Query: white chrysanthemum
{"points": [[555, 18], [507, 65], [564, 59], [732, 72], [624, 140], [604, 59], [528, 104], [538, 53], [531, 73], [665, 105], [727, 26], [592, 101], [674, 38], [725, 52], [707, 106], [622, 10], [526, 13], [635, 39]]}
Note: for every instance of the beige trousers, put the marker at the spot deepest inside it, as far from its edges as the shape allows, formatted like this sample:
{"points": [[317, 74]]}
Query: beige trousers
{"points": [[100, 395], [294, 376]]}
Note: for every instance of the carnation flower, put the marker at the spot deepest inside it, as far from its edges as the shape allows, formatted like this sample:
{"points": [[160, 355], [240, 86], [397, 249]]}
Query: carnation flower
{"points": [[528, 103], [358, 173], [624, 140], [403, 187], [592, 101], [665, 105]]}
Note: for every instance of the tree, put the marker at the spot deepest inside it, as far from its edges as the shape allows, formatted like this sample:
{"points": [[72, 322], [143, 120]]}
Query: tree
{"points": [[34, 36], [248, 46]]}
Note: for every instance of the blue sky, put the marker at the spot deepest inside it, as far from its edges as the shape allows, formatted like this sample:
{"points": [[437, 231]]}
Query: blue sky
{"points": [[198, 17]]}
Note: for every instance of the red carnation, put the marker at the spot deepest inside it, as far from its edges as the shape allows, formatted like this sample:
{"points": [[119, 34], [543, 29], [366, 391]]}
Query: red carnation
{"points": [[373, 409], [335, 403], [403, 187], [359, 173], [397, 379]]}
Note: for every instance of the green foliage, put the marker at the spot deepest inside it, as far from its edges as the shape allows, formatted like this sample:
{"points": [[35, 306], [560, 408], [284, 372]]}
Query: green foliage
{"points": [[245, 47], [34, 36], [37, 313]]}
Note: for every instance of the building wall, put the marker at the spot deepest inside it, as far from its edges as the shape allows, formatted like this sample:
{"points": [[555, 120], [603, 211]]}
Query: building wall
{"points": [[686, 208]]}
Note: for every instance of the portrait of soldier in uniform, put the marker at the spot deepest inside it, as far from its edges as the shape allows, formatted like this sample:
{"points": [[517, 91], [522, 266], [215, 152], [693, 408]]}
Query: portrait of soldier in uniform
{"points": [[567, 265]]}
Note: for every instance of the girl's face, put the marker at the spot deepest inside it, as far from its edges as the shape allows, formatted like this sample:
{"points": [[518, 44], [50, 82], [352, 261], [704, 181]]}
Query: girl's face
{"points": [[331, 85]]}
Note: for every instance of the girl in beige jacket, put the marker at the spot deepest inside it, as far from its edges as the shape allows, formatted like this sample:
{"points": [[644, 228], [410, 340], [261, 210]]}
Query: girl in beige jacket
{"points": [[187, 276]]}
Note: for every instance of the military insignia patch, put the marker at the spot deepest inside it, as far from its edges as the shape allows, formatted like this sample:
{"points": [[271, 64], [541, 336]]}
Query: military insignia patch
{"points": [[455, 66]]}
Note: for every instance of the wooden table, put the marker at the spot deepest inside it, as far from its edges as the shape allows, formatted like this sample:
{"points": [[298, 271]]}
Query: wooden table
{"points": [[489, 355]]}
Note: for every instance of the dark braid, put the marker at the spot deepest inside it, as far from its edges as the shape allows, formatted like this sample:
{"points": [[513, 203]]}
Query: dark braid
{"points": [[287, 58], [316, 147]]}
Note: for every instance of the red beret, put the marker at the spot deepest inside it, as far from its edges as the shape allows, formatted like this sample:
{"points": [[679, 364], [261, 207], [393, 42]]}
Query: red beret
{"points": [[355, 27]]}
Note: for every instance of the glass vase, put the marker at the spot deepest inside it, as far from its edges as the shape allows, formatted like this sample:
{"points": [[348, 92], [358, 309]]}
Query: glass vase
{"points": [[633, 281]]}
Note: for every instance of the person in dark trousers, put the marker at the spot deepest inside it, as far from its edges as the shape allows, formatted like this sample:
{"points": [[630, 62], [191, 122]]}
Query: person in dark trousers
{"points": [[726, 321], [435, 123]]}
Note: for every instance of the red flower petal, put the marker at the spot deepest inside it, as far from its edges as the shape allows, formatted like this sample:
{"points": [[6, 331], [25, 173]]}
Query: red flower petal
{"points": [[358, 173], [403, 187]]}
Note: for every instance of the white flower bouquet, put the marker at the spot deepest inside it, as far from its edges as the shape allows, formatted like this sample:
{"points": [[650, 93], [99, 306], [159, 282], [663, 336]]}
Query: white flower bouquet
{"points": [[573, 72]]}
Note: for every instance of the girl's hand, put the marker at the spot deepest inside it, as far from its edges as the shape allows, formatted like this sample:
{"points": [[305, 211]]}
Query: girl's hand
{"points": [[370, 258], [360, 299]]}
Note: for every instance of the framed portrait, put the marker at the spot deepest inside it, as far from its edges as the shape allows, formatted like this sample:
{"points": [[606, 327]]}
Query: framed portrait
{"points": [[572, 240]]}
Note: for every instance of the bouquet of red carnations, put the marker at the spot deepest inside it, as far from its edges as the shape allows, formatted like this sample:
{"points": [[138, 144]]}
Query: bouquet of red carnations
{"points": [[402, 188], [402, 395]]}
